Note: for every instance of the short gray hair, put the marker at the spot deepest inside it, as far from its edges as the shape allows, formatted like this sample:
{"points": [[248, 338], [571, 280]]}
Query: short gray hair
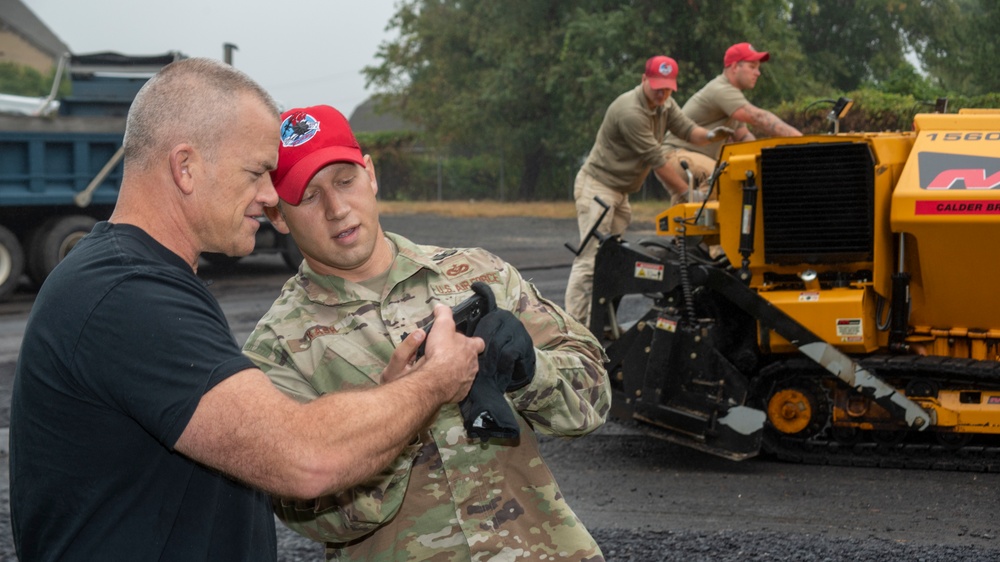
{"points": [[191, 100]]}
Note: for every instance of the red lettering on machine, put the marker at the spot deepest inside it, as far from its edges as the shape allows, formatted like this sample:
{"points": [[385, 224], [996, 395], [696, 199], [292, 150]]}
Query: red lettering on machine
{"points": [[956, 207]]}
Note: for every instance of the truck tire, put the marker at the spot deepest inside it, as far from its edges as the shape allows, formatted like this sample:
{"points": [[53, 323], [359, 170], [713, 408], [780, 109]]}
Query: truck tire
{"points": [[49, 243], [11, 262]]}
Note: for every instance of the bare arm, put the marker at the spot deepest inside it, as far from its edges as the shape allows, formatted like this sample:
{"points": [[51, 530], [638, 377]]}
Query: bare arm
{"points": [[671, 180], [674, 180], [743, 134], [699, 136], [765, 122], [248, 429], [702, 136]]}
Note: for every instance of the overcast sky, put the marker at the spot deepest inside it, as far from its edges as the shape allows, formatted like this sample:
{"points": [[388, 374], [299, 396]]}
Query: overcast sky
{"points": [[304, 52]]}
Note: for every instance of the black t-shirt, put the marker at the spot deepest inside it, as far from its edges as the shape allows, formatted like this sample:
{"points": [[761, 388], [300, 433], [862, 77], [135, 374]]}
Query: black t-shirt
{"points": [[122, 342]]}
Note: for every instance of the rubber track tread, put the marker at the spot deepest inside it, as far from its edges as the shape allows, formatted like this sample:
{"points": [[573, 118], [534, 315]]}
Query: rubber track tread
{"points": [[947, 372]]}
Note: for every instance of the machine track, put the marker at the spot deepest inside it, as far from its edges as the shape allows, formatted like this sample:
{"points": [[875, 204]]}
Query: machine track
{"points": [[915, 450]]}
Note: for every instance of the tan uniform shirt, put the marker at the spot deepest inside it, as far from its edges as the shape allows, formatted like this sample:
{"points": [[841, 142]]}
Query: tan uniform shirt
{"points": [[711, 107], [629, 141]]}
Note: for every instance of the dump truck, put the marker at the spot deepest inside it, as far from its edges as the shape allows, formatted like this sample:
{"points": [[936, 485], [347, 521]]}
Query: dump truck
{"points": [[832, 301], [61, 166]]}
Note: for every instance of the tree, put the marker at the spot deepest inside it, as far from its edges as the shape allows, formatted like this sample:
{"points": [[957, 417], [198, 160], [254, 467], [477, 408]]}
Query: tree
{"points": [[20, 80], [955, 42], [531, 79]]}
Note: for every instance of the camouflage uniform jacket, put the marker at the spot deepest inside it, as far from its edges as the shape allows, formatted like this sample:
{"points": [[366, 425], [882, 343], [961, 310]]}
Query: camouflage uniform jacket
{"points": [[446, 497]]}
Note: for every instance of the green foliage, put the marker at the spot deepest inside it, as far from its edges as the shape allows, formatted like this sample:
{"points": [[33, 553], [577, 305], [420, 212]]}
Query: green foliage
{"points": [[21, 80], [985, 101], [395, 160], [906, 80], [955, 42], [406, 171], [848, 42], [519, 87], [873, 111]]}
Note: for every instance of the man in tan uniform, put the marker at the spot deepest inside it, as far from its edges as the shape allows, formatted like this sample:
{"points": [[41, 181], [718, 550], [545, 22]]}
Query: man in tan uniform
{"points": [[721, 103], [628, 146], [453, 495]]}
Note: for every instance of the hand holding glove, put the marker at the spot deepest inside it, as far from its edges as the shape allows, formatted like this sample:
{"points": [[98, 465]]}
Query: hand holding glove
{"points": [[719, 133], [507, 363], [508, 347]]}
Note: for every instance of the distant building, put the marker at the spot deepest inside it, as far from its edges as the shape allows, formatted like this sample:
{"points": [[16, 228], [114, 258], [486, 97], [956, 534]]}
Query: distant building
{"points": [[365, 119], [26, 40]]}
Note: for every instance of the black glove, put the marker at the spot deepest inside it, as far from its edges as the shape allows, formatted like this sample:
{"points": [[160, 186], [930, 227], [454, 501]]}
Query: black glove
{"points": [[508, 337], [507, 363], [517, 351]]}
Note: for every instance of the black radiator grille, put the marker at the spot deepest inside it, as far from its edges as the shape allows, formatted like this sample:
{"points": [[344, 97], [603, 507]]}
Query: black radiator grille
{"points": [[817, 201]]}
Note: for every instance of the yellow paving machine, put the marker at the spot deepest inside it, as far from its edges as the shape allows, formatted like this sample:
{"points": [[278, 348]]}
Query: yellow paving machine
{"points": [[833, 301]]}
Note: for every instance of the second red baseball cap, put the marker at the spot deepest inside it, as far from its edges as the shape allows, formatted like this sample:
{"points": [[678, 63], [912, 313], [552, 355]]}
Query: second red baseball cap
{"points": [[743, 51], [661, 72], [311, 138]]}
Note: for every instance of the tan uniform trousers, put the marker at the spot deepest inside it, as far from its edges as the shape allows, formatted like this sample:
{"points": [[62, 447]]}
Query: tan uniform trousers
{"points": [[580, 287], [701, 167]]}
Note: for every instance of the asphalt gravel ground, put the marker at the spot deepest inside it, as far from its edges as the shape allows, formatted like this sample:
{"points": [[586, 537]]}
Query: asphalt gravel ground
{"points": [[647, 500]]}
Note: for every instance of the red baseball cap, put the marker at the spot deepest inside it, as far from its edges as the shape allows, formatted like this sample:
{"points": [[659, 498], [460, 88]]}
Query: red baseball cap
{"points": [[743, 51], [661, 72], [311, 138]]}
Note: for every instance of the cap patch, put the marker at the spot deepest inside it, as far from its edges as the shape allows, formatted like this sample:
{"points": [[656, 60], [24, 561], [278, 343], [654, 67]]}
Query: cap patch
{"points": [[298, 128], [666, 69]]}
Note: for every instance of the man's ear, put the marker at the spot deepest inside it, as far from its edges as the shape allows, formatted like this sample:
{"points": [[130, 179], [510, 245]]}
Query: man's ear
{"points": [[182, 167], [277, 219], [370, 168]]}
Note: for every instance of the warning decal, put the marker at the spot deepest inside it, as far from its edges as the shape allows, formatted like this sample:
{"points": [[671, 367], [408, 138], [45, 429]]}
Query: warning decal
{"points": [[849, 329], [652, 271], [666, 324]]}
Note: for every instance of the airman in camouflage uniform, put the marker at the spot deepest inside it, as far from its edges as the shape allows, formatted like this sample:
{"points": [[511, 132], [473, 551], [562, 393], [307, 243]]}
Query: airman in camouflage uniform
{"points": [[447, 497]]}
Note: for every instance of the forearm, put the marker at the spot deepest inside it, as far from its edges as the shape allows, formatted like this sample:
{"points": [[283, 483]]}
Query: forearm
{"points": [[671, 179], [355, 512], [247, 428], [743, 134], [699, 136], [354, 434], [769, 124]]}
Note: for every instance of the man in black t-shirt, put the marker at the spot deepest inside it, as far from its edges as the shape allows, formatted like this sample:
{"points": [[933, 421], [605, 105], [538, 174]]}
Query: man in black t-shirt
{"points": [[139, 431]]}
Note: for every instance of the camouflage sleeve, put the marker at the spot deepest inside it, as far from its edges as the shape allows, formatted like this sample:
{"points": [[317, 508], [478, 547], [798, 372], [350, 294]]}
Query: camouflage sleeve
{"points": [[349, 514], [264, 348], [570, 394], [353, 513]]}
